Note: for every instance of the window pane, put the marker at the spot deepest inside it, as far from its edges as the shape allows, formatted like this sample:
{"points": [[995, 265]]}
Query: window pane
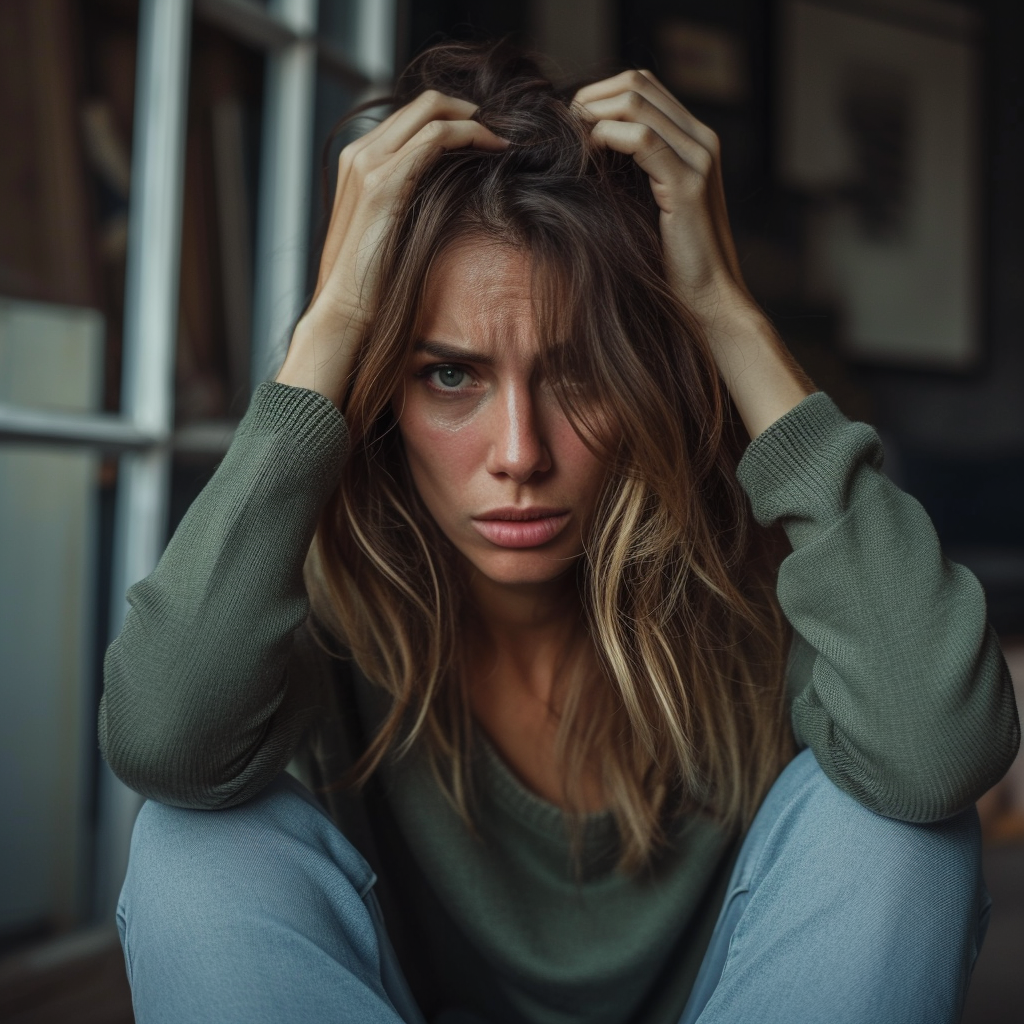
{"points": [[51, 356], [333, 101], [338, 25], [51, 615]]}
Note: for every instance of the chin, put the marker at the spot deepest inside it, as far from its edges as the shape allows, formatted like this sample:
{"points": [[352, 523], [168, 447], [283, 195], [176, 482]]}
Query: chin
{"points": [[523, 567]]}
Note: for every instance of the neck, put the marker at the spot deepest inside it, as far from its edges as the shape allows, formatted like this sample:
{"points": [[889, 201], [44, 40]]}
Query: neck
{"points": [[525, 633]]}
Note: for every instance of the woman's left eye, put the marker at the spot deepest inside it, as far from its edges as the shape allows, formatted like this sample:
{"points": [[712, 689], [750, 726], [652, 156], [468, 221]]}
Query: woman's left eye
{"points": [[448, 378]]}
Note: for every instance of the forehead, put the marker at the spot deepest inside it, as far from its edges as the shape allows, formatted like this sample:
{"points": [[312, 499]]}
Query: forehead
{"points": [[480, 291]]}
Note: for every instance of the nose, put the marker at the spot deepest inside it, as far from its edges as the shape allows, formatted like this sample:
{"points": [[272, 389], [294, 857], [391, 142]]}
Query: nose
{"points": [[518, 447]]}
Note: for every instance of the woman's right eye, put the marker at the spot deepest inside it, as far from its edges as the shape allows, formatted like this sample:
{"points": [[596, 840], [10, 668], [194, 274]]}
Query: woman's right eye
{"points": [[445, 378]]}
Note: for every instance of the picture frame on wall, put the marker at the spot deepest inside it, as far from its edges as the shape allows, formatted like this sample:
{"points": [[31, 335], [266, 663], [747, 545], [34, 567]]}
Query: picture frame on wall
{"points": [[879, 126]]}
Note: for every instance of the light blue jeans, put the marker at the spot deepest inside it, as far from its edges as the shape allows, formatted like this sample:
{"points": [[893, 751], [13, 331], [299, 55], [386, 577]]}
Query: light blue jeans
{"points": [[266, 913]]}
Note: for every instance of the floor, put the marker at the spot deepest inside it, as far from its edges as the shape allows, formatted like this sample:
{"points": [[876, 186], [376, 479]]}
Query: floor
{"points": [[80, 979]]}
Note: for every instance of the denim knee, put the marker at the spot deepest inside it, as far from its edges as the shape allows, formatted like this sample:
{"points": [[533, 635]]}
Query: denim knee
{"points": [[282, 831], [806, 820], [874, 919], [264, 906]]}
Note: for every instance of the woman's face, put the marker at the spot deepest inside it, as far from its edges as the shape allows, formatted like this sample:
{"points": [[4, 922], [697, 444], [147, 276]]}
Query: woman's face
{"points": [[492, 455]]}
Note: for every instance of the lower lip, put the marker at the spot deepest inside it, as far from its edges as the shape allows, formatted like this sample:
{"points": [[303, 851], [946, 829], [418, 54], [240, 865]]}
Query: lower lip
{"points": [[529, 533]]}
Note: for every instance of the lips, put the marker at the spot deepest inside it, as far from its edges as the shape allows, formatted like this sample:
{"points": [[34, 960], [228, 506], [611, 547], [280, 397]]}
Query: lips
{"points": [[521, 515], [521, 528]]}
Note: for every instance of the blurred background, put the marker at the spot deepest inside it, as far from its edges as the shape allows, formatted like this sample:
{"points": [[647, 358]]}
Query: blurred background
{"points": [[160, 208]]}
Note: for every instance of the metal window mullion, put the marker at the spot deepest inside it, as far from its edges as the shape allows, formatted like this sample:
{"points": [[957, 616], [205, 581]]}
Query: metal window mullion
{"points": [[46, 426], [285, 175], [150, 333]]}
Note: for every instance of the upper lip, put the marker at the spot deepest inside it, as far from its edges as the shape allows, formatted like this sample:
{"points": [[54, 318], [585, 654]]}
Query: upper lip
{"points": [[519, 514]]}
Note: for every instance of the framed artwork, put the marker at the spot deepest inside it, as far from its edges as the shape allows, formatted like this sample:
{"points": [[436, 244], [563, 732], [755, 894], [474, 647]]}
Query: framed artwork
{"points": [[879, 126], [702, 62]]}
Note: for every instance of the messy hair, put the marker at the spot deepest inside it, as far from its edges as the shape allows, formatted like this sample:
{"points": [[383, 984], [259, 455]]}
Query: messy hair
{"points": [[681, 707]]}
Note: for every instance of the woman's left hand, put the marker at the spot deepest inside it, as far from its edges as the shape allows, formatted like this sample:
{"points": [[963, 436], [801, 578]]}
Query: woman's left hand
{"points": [[634, 113]]}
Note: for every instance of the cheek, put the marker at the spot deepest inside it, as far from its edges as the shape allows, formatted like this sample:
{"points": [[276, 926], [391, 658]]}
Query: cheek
{"points": [[577, 460], [441, 461]]}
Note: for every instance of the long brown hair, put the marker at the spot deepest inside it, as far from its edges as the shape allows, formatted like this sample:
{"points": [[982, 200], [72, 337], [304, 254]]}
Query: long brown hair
{"points": [[686, 709]]}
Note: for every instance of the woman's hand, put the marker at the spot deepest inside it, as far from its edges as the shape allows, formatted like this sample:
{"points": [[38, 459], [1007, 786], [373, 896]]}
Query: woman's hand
{"points": [[375, 174], [634, 113]]}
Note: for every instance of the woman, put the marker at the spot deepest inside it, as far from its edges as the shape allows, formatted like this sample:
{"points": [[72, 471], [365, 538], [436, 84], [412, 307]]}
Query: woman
{"points": [[546, 692]]}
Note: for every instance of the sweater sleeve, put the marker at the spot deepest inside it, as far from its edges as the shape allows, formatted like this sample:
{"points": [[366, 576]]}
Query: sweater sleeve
{"points": [[213, 679], [897, 681]]}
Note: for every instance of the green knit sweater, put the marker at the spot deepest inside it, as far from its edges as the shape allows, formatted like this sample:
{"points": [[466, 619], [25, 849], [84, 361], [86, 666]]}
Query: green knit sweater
{"points": [[215, 685]]}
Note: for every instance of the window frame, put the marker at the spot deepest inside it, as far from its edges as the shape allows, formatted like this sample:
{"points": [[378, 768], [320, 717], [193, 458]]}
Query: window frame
{"points": [[143, 433]]}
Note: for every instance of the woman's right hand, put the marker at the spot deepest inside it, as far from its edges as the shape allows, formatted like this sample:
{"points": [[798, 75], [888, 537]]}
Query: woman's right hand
{"points": [[375, 174]]}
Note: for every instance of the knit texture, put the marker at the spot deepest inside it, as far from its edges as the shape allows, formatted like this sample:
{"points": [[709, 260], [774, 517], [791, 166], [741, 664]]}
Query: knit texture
{"points": [[898, 683]]}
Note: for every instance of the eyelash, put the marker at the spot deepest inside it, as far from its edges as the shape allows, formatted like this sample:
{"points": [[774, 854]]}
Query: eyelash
{"points": [[428, 371]]}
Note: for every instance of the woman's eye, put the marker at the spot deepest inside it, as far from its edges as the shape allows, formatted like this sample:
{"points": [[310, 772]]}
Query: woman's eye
{"points": [[450, 376], [445, 378]]}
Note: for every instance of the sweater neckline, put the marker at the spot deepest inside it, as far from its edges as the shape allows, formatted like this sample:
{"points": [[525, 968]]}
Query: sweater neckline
{"points": [[502, 788], [500, 784]]}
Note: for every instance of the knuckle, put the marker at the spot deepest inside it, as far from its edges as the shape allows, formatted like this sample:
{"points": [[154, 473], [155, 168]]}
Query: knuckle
{"points": [[361, 162], [634, 79], [634, 101], [703, 163], [433, 131], [431, 97], [374, 179]]}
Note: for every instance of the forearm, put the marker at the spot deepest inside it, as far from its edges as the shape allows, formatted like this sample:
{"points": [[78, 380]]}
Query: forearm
{"points": [[763, 378], [322, 353], [899, 686]]}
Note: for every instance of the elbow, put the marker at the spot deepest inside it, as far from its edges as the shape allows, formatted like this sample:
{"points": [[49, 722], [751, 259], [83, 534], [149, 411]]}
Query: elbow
{"points": [[148, 750], [157, 767], [936, 780]]}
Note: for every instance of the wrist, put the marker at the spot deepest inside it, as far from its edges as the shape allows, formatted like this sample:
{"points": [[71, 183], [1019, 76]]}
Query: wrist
{"points": [[724, 306], [763, 378], [320, 357]]}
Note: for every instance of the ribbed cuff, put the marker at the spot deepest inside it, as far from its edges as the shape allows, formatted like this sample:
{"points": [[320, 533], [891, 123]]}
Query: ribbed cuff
{"points": [[801, 467], [312, 422]]}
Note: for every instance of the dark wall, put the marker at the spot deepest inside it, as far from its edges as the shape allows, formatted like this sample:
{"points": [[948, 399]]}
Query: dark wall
{"points": [[955, 441], [984, 414], [424, 21], [980, 413]]}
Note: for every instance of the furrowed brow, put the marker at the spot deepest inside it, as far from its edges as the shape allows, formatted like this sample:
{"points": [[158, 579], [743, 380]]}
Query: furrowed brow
{"points": [[439, 350]]}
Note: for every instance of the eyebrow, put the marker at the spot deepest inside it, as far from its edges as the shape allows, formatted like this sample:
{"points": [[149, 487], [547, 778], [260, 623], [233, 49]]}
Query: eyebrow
{"points": [[453, 352], [439, 351]]}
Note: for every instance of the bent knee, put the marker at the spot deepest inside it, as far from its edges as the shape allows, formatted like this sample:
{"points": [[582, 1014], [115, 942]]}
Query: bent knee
{"points": [[275, 844], [209, 885], [823, 834]]}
